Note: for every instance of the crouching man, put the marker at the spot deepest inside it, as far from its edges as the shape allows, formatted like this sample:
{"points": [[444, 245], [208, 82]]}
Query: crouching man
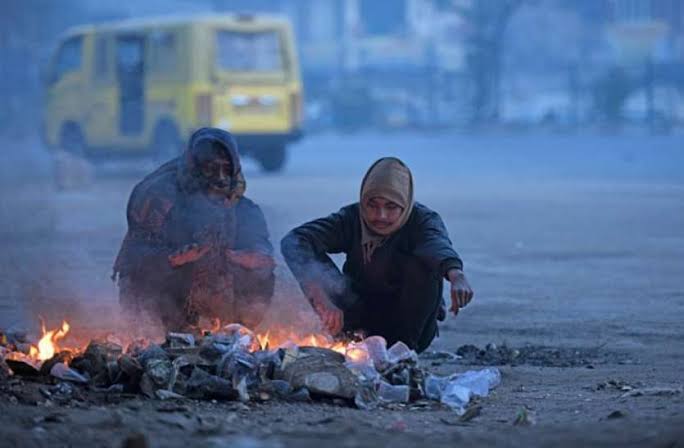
{"points": [[397, 254], [196, 247]]}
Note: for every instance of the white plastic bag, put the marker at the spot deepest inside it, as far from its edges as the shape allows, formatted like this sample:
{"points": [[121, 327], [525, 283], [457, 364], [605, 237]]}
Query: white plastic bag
{"points": [[456, 390]]}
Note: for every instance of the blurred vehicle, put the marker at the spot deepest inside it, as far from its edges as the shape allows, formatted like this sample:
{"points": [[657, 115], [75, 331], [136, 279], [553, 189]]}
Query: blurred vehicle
{"points": [[142, 86]]}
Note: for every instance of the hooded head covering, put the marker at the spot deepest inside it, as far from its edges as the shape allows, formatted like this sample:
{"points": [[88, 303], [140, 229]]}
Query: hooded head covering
{"points": [[390, 179], [190, 173]]}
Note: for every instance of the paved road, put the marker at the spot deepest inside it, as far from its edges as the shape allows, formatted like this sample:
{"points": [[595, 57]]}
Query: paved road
{"points": [[569, 241], [547, 224]]}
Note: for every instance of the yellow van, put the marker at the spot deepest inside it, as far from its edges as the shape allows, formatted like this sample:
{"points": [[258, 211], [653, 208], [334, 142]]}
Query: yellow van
{"points": [[143, 86]]}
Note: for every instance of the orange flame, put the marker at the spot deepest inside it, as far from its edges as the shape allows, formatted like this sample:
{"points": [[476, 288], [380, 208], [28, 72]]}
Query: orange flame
{"points": [[274, 339], [47, 346], [263, 340], [357, 353]]}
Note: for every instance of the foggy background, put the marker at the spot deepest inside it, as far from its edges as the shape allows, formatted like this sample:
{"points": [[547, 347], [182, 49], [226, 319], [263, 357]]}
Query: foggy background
{"points": [[421, 64], [548, 134]]}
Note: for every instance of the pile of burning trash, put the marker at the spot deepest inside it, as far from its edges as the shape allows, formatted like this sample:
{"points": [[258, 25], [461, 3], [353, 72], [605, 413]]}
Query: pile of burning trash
{"points": [[234, 363]]}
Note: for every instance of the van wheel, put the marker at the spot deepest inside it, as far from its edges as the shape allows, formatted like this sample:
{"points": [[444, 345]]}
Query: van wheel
{"points": [[72, 141], [272, 159], [167, 144]]}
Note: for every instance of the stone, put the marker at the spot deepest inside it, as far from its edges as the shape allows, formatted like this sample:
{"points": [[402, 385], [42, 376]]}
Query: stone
{"points": [[137, 346], [147, 386], [159, 374], [276, 388], [175, 352], [215, 346], [326, 383], [131, 367], [319, 352], [151, 352], [114, 372], [237, 365], [5, 371], [179, 340], [62, 393], [321, 373], [242, 336], [267, 363], [204, 385], [300, 395], [160, 371], [95, 358]]}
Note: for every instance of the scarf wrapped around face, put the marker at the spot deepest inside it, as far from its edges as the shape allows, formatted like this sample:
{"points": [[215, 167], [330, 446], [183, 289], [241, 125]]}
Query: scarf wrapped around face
{"points": [[189, 175], [390, 179]]}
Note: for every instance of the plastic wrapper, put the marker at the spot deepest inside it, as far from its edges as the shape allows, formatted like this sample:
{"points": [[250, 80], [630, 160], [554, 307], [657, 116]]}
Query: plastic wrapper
{"points": [[393, 394], [456, 390]]}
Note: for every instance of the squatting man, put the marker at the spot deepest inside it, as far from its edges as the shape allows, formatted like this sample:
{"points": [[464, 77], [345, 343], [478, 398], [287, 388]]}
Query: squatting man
{"points": [[197, 248]]}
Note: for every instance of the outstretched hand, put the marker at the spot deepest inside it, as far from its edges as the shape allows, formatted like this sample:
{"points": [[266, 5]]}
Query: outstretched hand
{"points": [[188, 254], [461, 292], [250, 260], [331, 316]]}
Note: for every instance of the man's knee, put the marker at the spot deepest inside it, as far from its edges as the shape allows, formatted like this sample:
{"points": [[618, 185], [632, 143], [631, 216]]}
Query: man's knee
{"points": [[255, 283], [254, 294]]}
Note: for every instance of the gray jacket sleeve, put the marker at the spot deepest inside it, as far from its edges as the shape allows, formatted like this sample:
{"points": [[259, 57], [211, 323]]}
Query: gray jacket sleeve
{"points": [[306, 247], [431, 242]]}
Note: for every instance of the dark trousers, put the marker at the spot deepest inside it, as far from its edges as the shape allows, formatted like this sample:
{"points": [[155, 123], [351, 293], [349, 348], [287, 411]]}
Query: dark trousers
{"points": [[409, 315]]}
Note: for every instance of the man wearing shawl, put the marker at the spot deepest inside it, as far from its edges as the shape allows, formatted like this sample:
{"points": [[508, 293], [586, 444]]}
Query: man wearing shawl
{"points": [[196, 247], [397, 254]]}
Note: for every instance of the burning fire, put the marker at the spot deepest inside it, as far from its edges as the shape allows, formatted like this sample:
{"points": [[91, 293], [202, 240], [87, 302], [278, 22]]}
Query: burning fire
{"points": [[272, 339], [269, 341], [47, 346], [275, 338]]}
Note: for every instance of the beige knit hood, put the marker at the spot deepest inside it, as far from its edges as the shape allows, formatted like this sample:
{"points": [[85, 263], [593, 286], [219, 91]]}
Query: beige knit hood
{"points": [[390, 179]]}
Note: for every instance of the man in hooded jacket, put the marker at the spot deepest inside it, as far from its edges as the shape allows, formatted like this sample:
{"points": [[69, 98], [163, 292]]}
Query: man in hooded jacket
{"points": [[397, 254], [196, 247]]}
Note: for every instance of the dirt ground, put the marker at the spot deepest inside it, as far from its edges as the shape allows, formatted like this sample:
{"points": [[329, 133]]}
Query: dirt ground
{"points": [[574, 246]]}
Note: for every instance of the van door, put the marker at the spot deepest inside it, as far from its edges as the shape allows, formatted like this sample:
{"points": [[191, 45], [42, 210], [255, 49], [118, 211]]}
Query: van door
{"points": [[65, 84], [102, 120], [130, 69]]}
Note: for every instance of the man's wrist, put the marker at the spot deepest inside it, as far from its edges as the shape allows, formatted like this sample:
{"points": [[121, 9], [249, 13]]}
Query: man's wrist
{"points": [[454, 274]]}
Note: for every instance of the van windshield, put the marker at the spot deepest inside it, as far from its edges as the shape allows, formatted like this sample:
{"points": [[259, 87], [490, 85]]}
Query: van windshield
{"points": [[249, 51]]}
